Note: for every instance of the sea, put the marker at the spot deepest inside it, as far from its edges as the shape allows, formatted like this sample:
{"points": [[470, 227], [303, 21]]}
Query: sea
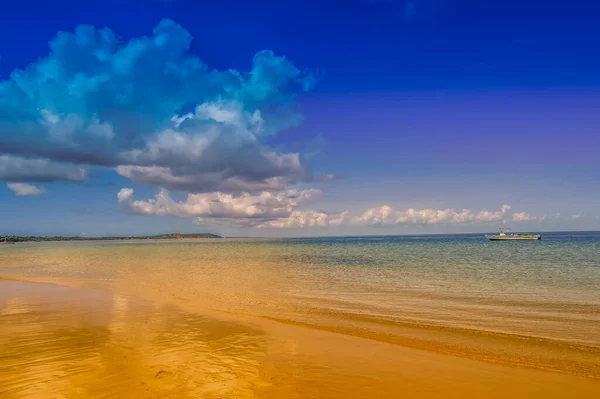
{"points": [[460, 279]]}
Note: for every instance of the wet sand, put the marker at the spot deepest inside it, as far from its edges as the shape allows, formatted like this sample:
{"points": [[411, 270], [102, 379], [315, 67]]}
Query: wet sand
{"points": [[57, 341]]}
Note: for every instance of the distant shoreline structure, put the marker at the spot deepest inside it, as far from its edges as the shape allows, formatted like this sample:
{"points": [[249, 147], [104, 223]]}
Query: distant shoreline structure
{"points": [[169, 236]]}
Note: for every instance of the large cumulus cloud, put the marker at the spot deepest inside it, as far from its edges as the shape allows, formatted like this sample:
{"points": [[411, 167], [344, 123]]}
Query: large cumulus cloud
{"points": [[154, 111]]}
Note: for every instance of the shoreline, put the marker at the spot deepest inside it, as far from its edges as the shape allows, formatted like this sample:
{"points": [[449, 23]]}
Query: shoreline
{"points": [[99, 240], [155, 240]]}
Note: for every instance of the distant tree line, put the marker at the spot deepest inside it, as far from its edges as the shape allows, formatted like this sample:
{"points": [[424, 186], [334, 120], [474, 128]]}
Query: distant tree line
{"points": [[170, 236]]}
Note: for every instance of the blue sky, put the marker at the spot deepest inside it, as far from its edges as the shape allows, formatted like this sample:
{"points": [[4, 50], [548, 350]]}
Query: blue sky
{"points": [[276, 118]]}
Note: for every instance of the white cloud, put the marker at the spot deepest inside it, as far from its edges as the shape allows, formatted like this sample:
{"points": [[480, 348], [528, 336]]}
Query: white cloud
{"points": [[124, 194], [23, 189], [250, 208], [386, 215], [522, 216], [310, 218], [282, 210]]}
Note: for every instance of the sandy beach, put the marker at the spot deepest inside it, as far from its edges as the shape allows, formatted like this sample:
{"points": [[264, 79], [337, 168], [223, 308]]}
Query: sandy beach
{"points": [[231, 320]]}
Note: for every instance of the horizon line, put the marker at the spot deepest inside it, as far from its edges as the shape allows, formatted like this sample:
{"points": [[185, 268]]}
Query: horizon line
{"points": [[282, 237]]}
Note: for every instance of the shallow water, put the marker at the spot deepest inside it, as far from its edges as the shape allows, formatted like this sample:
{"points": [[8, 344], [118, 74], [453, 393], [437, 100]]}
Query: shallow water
{"points": [[532, 305]]}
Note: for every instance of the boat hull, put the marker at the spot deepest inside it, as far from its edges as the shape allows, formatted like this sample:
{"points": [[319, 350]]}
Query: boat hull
{"points": [[529, 238]]}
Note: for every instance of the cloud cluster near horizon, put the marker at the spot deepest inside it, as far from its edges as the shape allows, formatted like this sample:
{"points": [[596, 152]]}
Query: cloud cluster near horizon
{"points": [[153, 111], [286, 210]]}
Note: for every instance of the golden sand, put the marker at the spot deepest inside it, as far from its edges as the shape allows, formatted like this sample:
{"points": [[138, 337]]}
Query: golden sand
{"points": [[145, 322]]}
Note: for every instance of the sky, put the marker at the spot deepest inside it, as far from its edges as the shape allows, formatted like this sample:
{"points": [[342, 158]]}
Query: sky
{"points": [[298, 118]]}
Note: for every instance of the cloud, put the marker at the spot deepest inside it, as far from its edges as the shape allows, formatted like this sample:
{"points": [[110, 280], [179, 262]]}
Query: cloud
{"points": [[522, 216], [282, 210], [386, 215], [23, 189], [246, 208], [19, 169], [327, 178], [154, 111], [198, 183], [124, 194], [310, 218]]}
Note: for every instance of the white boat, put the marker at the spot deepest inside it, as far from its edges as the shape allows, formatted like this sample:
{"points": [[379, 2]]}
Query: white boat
{"points": [[503, 236]]}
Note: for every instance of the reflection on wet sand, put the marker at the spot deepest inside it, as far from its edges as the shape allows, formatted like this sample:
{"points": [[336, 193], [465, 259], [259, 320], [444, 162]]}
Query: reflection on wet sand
{"points": [[60, 342], [65, 342]]}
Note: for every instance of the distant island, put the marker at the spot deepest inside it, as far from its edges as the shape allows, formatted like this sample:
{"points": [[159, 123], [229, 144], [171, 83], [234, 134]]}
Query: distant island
{"points": [[170, 236]]}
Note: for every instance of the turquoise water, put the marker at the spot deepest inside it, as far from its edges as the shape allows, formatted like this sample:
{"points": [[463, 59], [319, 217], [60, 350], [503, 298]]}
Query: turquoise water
{"points": [[548, 288], [563, 266]]}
